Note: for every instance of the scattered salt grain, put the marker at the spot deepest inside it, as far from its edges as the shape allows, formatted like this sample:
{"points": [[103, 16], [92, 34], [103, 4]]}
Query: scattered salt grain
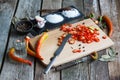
{"points": [[54, 18], [71, 13]]}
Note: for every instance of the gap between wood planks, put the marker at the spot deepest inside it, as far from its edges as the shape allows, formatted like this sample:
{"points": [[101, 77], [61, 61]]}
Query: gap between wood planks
{"points": [[11, 25]]}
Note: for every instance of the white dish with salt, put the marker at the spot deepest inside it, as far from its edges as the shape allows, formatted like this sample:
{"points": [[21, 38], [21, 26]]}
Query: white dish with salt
{"points": [[71, 13], [54, 18]]}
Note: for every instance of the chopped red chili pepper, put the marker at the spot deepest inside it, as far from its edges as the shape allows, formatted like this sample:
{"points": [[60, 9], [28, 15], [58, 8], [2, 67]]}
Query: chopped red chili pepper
{"points": [[76, 51], [104, 37], [71, 41], [82, 33]]}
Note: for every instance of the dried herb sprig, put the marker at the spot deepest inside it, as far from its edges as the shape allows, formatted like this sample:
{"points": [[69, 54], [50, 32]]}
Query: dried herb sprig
{"points": [[109, 56]]}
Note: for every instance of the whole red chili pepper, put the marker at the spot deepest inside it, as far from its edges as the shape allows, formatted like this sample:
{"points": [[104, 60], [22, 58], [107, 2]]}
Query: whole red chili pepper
{"points": [[29, 51], [39, 43], [109, 24], [12, 56]]}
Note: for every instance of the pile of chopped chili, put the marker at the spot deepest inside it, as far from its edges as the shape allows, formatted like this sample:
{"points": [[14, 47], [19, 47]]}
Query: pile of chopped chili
{"points": [[82, 33]]}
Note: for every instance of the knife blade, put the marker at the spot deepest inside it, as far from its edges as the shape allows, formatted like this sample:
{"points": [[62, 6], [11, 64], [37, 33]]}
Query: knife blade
{"points": [[57, 52]]}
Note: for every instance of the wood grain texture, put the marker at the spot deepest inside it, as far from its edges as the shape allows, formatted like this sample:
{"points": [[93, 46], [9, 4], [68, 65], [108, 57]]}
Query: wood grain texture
{"points": [[28, 8], [51, 4], [80, 71], [14, 70], [95, 72], [112, 10], [99, 70], [77, 3], [47, 4], [67, 55], [7, 8], [77, 72], [91, 6]]}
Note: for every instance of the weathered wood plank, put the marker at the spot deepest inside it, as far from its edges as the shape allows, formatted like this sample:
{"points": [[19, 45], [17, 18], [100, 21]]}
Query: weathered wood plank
{"points": [[77, 3], [91, 6], [47, 4], [51, 4], [77, 72], [7, 8], [80, 71], [95, 72], [51, 75], [15, 70], [28, 8], [99, 70], [111, 9]]}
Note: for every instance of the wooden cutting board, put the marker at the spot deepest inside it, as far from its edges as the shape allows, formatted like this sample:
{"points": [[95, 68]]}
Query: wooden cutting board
{"points": [[50, 46]]}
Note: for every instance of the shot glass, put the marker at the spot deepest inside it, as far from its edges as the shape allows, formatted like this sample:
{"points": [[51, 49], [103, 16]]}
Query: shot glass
{"points": [[20, 48]]}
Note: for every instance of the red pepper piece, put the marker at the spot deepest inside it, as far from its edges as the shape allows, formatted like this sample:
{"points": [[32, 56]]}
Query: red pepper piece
{"points": [[12, 56], [104, 37], [71, 41], [76, 51]]}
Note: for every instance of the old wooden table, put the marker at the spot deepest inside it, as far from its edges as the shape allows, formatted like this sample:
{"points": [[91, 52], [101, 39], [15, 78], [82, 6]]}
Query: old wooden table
{"points": [[95, 70]]}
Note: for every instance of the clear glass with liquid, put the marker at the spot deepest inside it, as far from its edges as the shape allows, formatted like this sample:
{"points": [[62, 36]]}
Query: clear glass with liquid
{"points": [[20, 48]]}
